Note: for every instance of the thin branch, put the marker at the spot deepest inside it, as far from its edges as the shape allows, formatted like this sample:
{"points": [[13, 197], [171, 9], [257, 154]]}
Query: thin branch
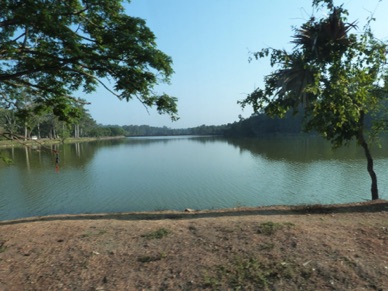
{"points": [[74, 13], [99, 81], [20, 36], [9, 103], [25, 38], [5, 77], [142, 102]]}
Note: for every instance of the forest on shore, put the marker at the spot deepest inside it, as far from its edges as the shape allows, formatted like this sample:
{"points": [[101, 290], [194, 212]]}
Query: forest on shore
{"points": [[50, 126]]}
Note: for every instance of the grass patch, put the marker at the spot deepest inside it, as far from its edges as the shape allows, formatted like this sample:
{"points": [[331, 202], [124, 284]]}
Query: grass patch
{"points": [[157, 234], [94, 233], [270, 228], [3, 248], [248, 274], [266, 246], [147, 259]]}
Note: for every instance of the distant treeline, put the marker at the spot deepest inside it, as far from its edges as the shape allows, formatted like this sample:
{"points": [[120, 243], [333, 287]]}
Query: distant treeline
{"points": [[145, 130], [262, 124], [256, 125], [49, 126]]}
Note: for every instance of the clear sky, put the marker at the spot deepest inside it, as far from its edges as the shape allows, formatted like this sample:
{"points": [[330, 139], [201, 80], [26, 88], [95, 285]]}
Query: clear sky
{"points": [[209, 42]]}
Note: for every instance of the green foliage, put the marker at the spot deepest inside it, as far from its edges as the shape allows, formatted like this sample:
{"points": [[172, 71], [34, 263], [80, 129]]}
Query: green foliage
{"points": [[68, 46], [5, 159], [334, 75], [46, 124]]}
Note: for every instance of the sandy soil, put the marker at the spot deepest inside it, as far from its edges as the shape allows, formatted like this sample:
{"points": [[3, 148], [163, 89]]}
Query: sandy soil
{"points": [[341, 247]]}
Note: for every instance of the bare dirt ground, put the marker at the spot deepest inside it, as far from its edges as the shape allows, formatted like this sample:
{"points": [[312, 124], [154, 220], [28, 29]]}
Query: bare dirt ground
{"points": [[339, 247]]}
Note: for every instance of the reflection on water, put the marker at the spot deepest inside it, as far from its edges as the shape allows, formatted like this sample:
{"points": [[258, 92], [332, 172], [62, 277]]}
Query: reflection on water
{"points": [[139, 174], [304, 149]]}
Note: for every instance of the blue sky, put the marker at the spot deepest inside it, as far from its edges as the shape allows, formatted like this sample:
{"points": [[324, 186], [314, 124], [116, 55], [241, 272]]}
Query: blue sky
{"points": [[209, 42]]}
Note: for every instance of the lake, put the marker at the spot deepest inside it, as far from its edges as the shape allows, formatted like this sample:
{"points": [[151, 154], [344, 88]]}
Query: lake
{"points": [[160, 173]]}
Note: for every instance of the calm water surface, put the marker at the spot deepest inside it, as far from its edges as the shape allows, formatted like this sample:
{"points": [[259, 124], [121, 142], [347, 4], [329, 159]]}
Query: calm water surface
{"points": [[143, 174]]}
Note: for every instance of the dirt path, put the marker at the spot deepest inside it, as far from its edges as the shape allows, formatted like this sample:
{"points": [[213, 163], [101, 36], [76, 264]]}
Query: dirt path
{"points": [[342, 247]]}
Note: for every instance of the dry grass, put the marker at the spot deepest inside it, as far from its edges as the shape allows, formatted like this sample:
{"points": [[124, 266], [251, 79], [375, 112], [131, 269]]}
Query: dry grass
{"points": [[343, 247]]}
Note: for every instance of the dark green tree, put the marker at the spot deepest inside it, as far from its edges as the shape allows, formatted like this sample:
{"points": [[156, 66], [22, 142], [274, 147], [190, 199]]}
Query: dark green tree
{"points": [[52, 49], [84, 125], [336, 76], [8, 123]]}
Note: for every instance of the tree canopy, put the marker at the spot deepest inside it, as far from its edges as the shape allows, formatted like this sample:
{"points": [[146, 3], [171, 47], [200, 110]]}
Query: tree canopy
{"points": [[51, 49], [336, 76]]}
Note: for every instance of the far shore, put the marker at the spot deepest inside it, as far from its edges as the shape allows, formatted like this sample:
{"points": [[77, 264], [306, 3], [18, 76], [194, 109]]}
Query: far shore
{"points": [[51, 141]]}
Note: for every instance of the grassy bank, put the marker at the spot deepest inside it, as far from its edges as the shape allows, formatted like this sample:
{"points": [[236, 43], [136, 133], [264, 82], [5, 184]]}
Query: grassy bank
{"points": [[46, 141]]}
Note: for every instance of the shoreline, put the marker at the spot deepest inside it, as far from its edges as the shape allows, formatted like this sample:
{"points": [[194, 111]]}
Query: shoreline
{"points": [[48, 141], [303, 209]]}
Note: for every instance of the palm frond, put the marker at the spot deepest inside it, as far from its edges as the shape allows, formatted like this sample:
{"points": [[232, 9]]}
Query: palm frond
{"points": [[325, 38], [294, 80]]}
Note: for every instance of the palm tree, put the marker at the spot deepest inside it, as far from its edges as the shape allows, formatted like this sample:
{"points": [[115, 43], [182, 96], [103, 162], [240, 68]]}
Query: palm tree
{"points": [[294, 80], [326, 39], [322, 75]]}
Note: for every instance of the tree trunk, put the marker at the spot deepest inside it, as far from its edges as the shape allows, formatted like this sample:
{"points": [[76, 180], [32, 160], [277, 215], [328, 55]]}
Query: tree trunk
{"points": [[25, 132], [38, 130], [76, 130], [364, 144]]}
